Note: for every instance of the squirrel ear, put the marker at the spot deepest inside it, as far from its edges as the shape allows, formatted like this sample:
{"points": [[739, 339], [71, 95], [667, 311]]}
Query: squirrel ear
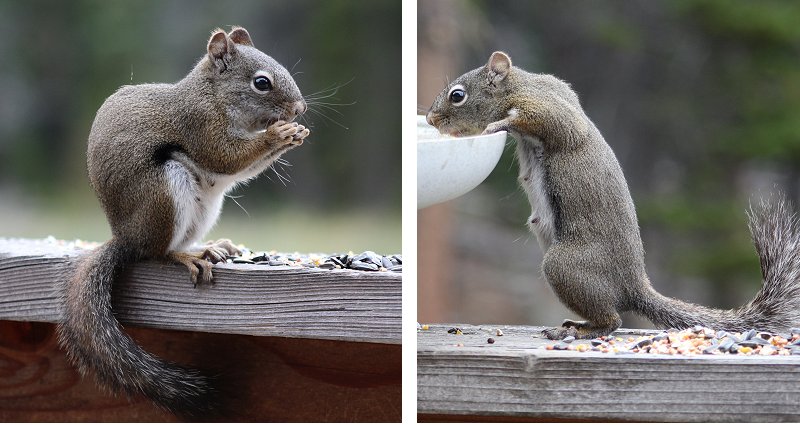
{"points": [[240, 35], [499, 65], [220, 47]]}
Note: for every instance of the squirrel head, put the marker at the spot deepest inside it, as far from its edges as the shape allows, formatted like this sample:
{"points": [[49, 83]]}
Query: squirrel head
{"points": [[487, 94], [468, 104], [253, 88]]}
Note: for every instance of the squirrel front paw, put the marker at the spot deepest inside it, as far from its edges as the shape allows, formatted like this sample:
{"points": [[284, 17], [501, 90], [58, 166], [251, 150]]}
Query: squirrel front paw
{"points": [[297, 139], [288, 132], [495, 127]]}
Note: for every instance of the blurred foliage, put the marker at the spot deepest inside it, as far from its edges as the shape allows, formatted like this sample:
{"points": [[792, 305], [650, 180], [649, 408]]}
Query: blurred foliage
{"points": [[63, 58], [767, 33], [754, 50]]}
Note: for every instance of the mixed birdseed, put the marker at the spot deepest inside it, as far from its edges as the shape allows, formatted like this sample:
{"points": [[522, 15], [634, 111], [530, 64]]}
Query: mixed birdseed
{"points": [[697, 340], [692, 341], [365, 261]]}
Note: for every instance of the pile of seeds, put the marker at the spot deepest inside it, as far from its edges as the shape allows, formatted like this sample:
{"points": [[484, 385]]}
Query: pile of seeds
{"points": [[366, 261], [696, 340]]}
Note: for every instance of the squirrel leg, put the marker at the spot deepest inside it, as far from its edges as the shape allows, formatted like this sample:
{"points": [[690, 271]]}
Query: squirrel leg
{"points": [[583, 291]]}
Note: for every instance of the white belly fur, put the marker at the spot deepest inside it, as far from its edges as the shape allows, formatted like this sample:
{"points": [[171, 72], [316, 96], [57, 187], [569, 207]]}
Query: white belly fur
{"points": [[197, 197], [532, 179]]}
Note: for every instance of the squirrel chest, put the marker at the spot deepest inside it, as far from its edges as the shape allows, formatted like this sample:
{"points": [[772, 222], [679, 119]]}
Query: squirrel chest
{"points": [[533, 179], [197, 196]]}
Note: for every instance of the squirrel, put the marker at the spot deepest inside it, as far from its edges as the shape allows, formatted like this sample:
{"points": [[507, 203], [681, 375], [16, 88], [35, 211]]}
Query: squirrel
{"points": [[583, 215], [160, 159]]}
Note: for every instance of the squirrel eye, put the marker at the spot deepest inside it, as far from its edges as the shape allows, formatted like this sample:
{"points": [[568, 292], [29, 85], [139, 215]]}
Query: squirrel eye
{"points": [[262, 83], [458, 96]]}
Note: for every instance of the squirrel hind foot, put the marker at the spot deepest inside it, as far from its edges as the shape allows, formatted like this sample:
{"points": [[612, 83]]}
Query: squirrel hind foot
{"points": [[579, 329], [560, 333], [225, 247], [199, 268]]}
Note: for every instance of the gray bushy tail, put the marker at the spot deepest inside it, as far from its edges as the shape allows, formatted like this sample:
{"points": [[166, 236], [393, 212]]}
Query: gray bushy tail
{"points": [[776, 308], [95, 342]]}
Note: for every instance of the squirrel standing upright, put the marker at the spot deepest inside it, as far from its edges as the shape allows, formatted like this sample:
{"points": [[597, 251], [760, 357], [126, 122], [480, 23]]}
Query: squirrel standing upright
{"points": [[161, 158], [583, 215]]}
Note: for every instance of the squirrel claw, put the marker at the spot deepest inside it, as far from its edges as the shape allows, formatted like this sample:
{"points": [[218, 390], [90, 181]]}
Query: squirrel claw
{"points": [[214, 254], [301, 134], [199, 269], [205, 267]]}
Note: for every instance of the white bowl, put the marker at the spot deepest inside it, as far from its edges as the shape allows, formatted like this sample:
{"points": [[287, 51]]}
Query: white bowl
{"points": [[448, 167]]}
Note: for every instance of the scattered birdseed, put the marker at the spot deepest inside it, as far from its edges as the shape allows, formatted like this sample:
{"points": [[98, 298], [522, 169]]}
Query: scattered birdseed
{"points": [[425, 327], [366, 261], [490, 340], [697, 340], [499, 332]]}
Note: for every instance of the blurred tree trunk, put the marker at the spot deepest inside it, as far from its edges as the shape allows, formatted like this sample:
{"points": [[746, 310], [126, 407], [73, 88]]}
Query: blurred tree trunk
{"points": [[438, 47]]}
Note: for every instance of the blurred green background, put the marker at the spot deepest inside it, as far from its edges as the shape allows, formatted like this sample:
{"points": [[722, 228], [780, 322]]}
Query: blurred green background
{"points": [[61, 59], [700, 101]]}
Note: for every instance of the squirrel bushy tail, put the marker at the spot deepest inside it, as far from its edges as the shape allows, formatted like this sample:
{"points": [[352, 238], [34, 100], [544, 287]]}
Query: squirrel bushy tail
{"points": [[776, 308], [94, 340]]}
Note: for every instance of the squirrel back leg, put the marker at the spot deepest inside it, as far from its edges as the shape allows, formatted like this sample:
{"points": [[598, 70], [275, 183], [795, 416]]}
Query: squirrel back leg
{"points": [[200, 263], [587, 294]]}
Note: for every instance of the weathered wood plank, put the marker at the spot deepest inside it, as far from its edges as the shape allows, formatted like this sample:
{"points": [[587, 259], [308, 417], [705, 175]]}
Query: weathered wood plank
{"points": [[246, 299], [517, 377], [259, 379]]}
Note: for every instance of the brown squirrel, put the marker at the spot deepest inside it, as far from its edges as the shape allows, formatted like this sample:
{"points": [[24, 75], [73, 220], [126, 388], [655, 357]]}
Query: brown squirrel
{"points": [[583, 215], [161, 158]]}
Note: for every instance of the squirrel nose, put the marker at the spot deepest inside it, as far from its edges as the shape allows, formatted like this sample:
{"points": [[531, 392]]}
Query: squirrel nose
{"points": [[429, 117], [299, 107]]}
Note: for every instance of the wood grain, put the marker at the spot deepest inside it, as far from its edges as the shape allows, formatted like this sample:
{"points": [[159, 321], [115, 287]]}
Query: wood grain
{"points": [[258, 378], [517, 378], [295, 302]]}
